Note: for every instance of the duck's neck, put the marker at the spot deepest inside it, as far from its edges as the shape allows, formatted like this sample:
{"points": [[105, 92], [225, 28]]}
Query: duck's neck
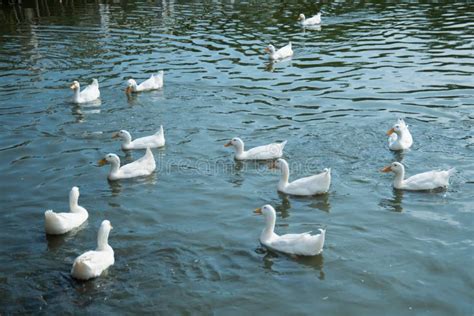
{"points": [[239, 149], [268, 231], [114, 167], [127, 139], [103, 239], [285, 175], [73, 201], [399, 176], [77, 94]]}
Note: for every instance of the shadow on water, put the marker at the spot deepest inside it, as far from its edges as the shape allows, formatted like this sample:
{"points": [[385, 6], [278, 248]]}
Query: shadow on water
{"points": [[270, 256], [57, 241], [320, 201], [398, 155], [394, 204]]}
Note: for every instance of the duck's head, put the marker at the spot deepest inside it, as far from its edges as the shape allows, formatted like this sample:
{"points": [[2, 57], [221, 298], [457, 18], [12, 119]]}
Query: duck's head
{"points": [[109, 158], [277, 164], [75, 85], [265, 210], [122, 134], [106, 225], [395, 129], [236, 142], [131, 84], [395, 167], [270, 49], [75, 192], [301, 17]]}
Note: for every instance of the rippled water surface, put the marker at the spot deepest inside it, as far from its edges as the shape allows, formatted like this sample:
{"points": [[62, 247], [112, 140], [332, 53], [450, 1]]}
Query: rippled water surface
{"points": [[185, 238]]}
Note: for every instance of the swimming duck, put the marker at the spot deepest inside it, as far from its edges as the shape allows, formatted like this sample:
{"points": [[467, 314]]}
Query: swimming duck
{"points": [[316, 184], [153, 83], [265, 152], [92, 263], [400, 137], [153, 141], [303, 244], [283, 52], [423, 181], [90, 93], [310, 21], [61, 223], [140, 167]]}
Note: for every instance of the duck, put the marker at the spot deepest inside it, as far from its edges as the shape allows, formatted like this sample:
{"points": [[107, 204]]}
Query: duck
{"points": [[89, 94], [155, 82], [138, 168], [92, 263], [423, 181], [282, 53], [315, 20], [399, 136], [266, 152], [303, 244], [61, 223], [312, 185], [153, 141]]}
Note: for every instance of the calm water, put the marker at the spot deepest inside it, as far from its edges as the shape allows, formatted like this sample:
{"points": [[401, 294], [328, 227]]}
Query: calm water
{"points": [[185, 239]]}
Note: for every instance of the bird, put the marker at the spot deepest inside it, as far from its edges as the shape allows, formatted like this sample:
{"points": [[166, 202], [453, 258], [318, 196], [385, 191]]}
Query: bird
{"points": [[153, 83], [315, 20], [266, 152], [282, 53], [140, 167], [61, 223], [92, 263], [316, 184], [89, 94], [423, 181], [303, 244], [153, 141], [400, 137]]}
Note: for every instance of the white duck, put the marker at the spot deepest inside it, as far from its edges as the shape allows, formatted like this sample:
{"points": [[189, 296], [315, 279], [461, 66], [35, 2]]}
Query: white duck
{"points": [[315, 20], [400, 137], [423, 181], [153, 141], [89, 94], [92, 263], [316, 184], [153, 83], [266, 152], [303, 244], [283, 52], [140, 167], [61, 223]]}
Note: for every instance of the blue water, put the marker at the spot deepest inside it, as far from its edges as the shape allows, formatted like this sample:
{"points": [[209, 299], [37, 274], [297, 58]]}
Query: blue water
{"points": [[185, 238]]}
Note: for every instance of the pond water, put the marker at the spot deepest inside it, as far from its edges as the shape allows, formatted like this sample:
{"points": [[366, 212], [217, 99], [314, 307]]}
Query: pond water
{"points": [[185, 238]]}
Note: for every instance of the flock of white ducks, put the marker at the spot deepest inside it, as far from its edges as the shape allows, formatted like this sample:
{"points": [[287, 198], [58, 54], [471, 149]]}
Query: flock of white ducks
{"points": [[92, 263]]}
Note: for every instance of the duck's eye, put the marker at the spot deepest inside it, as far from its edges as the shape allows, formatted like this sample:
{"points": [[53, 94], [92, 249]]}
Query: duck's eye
{"points": [[397, 126]]}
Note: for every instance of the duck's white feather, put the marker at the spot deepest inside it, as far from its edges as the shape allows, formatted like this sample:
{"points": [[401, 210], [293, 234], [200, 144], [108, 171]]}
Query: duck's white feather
{"points": [[401, 137], [265, 152], [314, 20], [284, 52], [61, 223], [152, 141], [140, 167], [428, 180], [316, 184], [89, 94], [153, 83]]}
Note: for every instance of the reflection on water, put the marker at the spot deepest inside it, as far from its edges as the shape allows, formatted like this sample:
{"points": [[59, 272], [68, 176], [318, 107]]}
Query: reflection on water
{"points": [[394, 204]]}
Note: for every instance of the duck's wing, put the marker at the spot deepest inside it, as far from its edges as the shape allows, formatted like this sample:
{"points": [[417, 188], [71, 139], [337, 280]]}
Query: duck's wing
{"points": [[270, 151], [299, 244], [91, 264], [91, 91], [140, 167], [318, 183], [151, 141], [285, 51], [428, 180]]}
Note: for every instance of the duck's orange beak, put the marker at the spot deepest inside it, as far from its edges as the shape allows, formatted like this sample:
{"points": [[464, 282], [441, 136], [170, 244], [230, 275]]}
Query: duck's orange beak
{"points": [[128, 90], [115, 135], [73, 86], [390, 131], [267, 50], [386, 169], [258, 211], [102, 162], [228, 144]]}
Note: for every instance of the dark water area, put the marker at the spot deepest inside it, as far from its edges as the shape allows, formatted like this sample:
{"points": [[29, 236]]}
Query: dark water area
{"points": [[185, 238]]}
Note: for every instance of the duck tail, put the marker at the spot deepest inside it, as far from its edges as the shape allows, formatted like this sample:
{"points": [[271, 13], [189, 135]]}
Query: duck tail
{"points": [[283, 144], [451, 171], [327, 170], [160, 131]]}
